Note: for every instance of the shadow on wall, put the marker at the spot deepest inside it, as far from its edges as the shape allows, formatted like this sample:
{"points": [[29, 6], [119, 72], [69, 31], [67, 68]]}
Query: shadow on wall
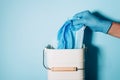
{"points": [[91, 55], [98, 14]]}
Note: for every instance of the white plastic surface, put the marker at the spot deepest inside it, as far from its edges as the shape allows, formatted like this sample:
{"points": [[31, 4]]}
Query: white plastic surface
{"points": [[65, 58]]}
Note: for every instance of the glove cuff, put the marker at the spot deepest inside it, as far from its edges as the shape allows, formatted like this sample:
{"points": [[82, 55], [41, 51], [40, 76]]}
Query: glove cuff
{"points": [[106, 26]]}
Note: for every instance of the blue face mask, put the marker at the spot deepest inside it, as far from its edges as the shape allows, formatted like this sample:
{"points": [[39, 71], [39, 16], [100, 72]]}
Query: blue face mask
{"points": [[69, 36], [66, 37]]}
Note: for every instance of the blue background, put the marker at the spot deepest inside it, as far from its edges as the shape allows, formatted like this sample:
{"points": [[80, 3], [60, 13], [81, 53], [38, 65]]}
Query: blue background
{"points": [[27, 26]]}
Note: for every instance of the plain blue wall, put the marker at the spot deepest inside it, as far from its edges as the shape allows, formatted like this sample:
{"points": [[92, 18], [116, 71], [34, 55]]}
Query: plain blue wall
{"points": [[27, 26]]}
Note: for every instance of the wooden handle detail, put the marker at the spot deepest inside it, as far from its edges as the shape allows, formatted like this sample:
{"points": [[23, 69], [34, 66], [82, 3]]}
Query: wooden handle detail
{"points": [[63, 69]]}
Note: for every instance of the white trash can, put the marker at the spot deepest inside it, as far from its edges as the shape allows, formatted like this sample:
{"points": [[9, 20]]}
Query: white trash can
{"points": [[64, 64]]}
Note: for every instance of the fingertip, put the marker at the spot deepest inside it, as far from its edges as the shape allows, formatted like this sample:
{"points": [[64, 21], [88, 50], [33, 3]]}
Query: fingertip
{"points": [[77, 27], [80, 14], [78, 22]]}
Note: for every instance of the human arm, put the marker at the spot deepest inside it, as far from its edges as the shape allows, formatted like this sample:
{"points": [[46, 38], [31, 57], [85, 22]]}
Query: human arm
{"points": [[115, 29], [96, 24]]}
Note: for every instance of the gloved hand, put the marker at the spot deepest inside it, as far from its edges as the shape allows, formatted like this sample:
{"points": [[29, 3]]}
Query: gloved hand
{"points": [[95, 23]]}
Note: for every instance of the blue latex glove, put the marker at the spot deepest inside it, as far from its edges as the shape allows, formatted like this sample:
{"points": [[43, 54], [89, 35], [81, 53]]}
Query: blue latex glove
{"points": [[96, 24], [66, 36]]}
